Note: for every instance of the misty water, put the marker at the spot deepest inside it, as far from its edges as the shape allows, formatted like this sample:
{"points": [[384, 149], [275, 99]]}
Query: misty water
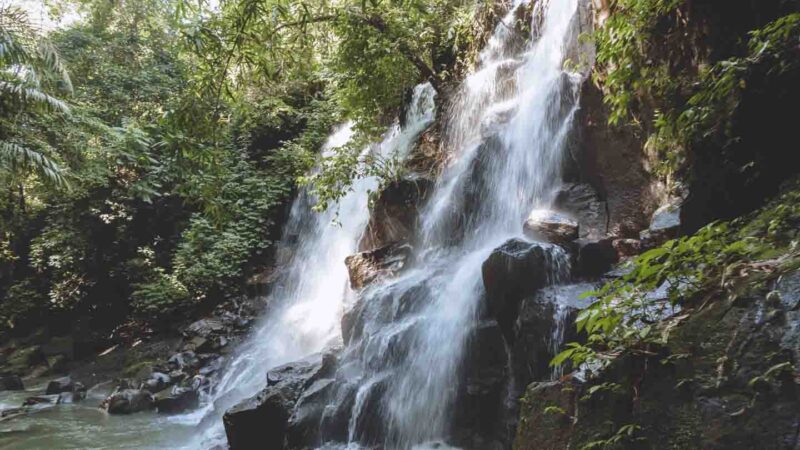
{"points": [[507, 129]]}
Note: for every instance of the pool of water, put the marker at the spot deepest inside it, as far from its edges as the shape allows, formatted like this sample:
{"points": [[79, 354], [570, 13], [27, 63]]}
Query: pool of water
{"points": [[85, 426]]}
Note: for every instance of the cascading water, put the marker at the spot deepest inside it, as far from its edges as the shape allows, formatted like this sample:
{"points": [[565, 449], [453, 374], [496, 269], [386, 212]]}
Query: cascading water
{"points": [[508, 128], [305, 308]]}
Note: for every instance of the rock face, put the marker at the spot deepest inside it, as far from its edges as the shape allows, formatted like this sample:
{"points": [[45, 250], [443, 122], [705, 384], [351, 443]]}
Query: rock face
{"points": [[550, 226], [734, 387], [394, 213], [593, 257], [263, 421], [515, 270], [129, 401], [366, 267], [611, 160], [582, 201]]}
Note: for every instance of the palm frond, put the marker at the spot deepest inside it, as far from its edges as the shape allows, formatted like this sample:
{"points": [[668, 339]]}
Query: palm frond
{"points": [[32, 96], [14, 157]]}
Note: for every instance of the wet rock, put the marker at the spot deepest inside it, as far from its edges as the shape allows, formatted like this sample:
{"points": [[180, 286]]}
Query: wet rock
{"points": [[550, 226], [71, 397], [129, 401], [303, 429], [262, 420], [11, 383], [41, 400], [157, 382], [394, 213], [582, 202], [481, 395], [334, 425], [211, 366], [545, 321], [258, 422], [369, 420], [178, 400], [204, 328], [593, 257], [372, 306], [184, 360], [60, 385], [514, 270], [366, 267]]}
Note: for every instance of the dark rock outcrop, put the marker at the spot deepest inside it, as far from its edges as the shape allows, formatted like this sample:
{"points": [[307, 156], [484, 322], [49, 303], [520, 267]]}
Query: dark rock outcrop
{"points": [[613, 162], [545, 321], [368, 266], [394, 213], [129, 401], [178, 400], [726, 379], [593, 257], [262, 421], [513, 271], [480, 404], [550, 226], [64, 384]]}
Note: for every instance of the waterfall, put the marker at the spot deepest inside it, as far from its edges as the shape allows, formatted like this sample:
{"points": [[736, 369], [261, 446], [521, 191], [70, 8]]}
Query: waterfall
{"points": [[304, 311], [398, 374], [507, 127]]}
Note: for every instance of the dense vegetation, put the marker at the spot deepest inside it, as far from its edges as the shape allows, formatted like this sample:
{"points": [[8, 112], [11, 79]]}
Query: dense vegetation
{"points": [[711, 101], [150, 148]]}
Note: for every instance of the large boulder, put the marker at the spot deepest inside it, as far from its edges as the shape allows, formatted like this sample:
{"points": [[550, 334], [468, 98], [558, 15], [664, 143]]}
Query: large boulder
{"points": [[394, 213], [11, 383], [129, 401], [366, 267], [545, 322], [515, 270], [157, 382], [64, 384], [550, 226], [178, 400], [262, 421]]}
